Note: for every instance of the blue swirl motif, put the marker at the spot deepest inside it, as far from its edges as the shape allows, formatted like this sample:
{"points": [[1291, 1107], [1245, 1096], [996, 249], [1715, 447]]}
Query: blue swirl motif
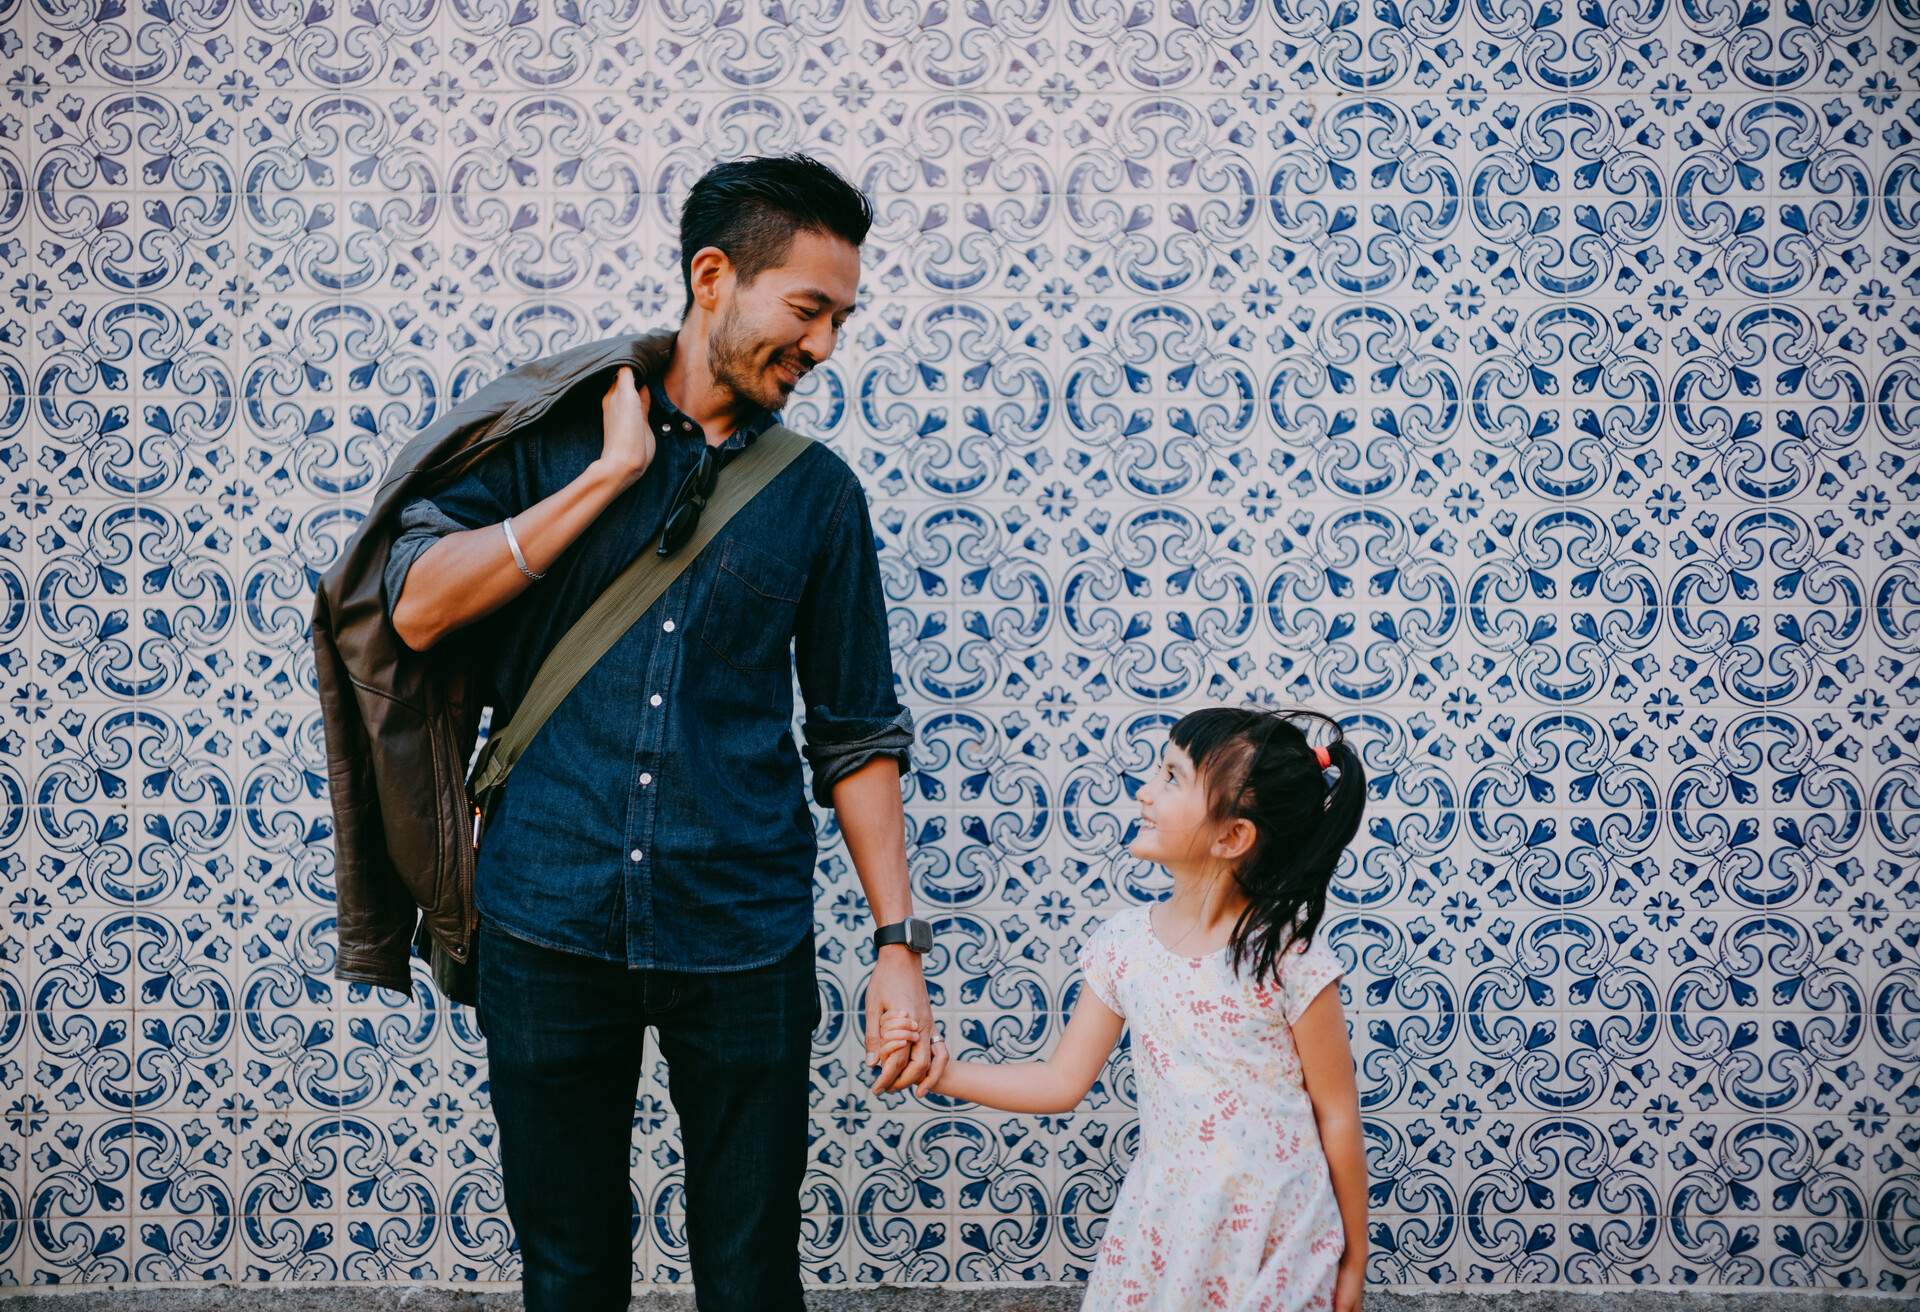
{"points": [[967, 759], [1804, 774], [1394, 651], [1106, 764], [1801, 976], [1092, 1166], [1415, 41], [701, 40], [1814, 236], [96, 771], [988, 437], [1510, 601], [964, 554], [481, 1238], [1511, 799], [1514, 407], [1572, 48], [1408, 1175], [350, 231], [1739, 41], [1402, 1060], [1110, 181], [1401, 244], [95, 443], [1414, 434], [172, 241], [93, 36], [180, 1172], [1521, 971], [1519, 1173], [1896, 1205], [1720, 1171], [1156, 554], [1770, 354], [387, 1201], [1115, 41], [1772, 557], [77, 1204], [1194, 437], [332, 349], [1414, 816], [1522, 168], [904, 1169]]}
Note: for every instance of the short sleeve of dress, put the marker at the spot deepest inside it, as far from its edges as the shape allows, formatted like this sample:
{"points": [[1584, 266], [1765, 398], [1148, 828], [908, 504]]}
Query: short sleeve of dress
{"points": [[1304, 972], [1103, 963]]}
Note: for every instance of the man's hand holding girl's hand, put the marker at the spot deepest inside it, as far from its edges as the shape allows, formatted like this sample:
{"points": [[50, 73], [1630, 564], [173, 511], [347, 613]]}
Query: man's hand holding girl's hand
{"points": [[899, 1030]]}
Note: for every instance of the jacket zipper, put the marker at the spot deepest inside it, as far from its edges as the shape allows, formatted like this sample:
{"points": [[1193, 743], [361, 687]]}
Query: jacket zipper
{"points": [[464, 869]]}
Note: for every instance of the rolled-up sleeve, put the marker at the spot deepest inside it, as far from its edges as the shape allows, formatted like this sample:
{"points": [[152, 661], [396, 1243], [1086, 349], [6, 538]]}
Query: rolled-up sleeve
{"points": [[853, 715], [422, 523], [487, 494]]}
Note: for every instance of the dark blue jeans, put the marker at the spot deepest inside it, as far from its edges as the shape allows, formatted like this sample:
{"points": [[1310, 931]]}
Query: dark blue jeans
{"points": [[565, 1035]]}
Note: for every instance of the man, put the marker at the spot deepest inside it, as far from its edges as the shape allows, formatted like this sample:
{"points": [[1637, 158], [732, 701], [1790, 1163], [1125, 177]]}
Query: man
{"points": [[651, 860]]}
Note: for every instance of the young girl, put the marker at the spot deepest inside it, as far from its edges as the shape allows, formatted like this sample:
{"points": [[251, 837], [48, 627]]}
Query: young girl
{"points": [[1249, 1189]]}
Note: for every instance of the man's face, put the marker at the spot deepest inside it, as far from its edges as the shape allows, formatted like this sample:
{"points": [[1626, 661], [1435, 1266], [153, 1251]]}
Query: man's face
{"points": [[770, 332]]}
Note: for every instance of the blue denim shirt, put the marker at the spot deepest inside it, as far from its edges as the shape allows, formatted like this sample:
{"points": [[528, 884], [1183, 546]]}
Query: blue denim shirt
{"points": [[659, 818]]}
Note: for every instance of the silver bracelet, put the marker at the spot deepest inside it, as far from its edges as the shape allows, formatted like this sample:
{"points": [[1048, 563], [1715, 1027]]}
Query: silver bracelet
{"points": [[514, 543]]}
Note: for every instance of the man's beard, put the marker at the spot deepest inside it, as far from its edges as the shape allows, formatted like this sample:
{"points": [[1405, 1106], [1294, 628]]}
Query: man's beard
{"points": [[733, 358]]}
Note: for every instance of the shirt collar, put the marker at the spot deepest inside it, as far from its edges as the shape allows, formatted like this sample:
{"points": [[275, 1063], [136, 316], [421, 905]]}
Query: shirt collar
{"points": [[669, 421]]}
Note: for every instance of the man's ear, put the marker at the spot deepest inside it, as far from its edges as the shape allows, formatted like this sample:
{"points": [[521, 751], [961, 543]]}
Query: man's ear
{"points": [[711, 273]]}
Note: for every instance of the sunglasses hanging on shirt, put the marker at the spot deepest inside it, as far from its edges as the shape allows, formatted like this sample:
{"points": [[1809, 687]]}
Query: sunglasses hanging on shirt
{"points": [[696, 489]]}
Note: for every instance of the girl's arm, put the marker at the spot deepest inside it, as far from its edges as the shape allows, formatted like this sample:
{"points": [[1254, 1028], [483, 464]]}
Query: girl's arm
{"points": [[1326, 1061], [1054, 1085]]}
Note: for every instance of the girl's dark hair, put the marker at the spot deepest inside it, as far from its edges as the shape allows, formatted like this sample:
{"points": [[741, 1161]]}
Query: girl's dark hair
{"points": [[751, 208], [1259, 765]]}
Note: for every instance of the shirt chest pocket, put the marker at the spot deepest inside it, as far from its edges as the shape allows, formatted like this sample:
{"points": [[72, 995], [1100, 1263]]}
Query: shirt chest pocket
{"points": [[750, 620]]}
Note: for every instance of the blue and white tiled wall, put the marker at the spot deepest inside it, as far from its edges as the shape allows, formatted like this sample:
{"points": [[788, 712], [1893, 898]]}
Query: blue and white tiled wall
{"points": [[1535, 385]]}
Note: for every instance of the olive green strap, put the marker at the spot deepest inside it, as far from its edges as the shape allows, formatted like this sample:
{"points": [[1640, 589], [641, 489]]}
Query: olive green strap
{"points": [[625, 600]]}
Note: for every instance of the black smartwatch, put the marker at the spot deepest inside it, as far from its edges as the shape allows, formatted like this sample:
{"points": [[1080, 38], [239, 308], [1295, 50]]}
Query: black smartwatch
{"points": [[917, 934]]}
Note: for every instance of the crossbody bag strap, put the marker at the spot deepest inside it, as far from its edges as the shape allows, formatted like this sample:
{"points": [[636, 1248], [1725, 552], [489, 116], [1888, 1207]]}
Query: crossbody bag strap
{"points": [[623, 602]]}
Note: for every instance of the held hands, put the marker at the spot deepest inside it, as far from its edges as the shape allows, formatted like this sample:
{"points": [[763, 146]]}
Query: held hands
{"points": [[899, 1031], [627, 442]]}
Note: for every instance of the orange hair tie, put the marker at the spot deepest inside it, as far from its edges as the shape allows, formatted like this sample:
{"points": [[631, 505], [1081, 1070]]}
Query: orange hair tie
{"points": [[1322, 755]]}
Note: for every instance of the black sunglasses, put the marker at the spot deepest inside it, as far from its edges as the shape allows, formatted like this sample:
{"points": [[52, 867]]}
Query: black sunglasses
{"points": [[683, 514]]}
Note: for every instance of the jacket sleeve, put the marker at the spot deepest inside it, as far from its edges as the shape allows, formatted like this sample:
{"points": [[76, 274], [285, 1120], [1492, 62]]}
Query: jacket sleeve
{"points": [[843, 655], [374, 916]]}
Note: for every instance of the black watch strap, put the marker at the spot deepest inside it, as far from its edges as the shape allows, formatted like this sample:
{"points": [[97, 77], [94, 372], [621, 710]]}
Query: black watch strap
{"points": [[913, 932]]}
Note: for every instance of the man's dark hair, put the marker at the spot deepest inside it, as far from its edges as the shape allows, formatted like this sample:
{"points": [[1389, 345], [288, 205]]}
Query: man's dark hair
{"points": [[751, 208]]}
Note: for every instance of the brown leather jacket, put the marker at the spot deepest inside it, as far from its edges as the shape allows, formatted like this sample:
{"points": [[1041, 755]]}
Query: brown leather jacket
{"points": [[401, 724]]}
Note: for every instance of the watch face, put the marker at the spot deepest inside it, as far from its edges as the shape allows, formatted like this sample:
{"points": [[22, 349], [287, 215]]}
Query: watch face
{"points": [[920, 936]]}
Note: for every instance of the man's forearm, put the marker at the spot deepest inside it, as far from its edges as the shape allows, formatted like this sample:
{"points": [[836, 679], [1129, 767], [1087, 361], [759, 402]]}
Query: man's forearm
{"points": [[466, 576], [867, 802]]}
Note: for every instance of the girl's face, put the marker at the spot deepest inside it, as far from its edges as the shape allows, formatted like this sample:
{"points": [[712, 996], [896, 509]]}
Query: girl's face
{"points": [[1175, 830]]}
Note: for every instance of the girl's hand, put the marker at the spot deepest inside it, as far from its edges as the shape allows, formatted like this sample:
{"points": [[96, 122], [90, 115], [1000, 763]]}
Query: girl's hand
{"points": [[897, 1031], [1349, 1285]]}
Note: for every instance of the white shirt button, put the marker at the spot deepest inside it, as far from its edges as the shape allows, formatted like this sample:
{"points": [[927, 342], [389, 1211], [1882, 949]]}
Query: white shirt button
{"points": [[646, 780], [654, 700], [668, 626], [636, 854]]}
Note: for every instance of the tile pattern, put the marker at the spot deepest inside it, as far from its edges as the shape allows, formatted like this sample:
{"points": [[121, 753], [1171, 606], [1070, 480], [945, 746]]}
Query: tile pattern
{"points": [[1534, 385]]}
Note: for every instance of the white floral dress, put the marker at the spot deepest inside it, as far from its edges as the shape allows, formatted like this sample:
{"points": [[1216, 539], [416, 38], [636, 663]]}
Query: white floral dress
{"points": [[1229, 1203]]}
